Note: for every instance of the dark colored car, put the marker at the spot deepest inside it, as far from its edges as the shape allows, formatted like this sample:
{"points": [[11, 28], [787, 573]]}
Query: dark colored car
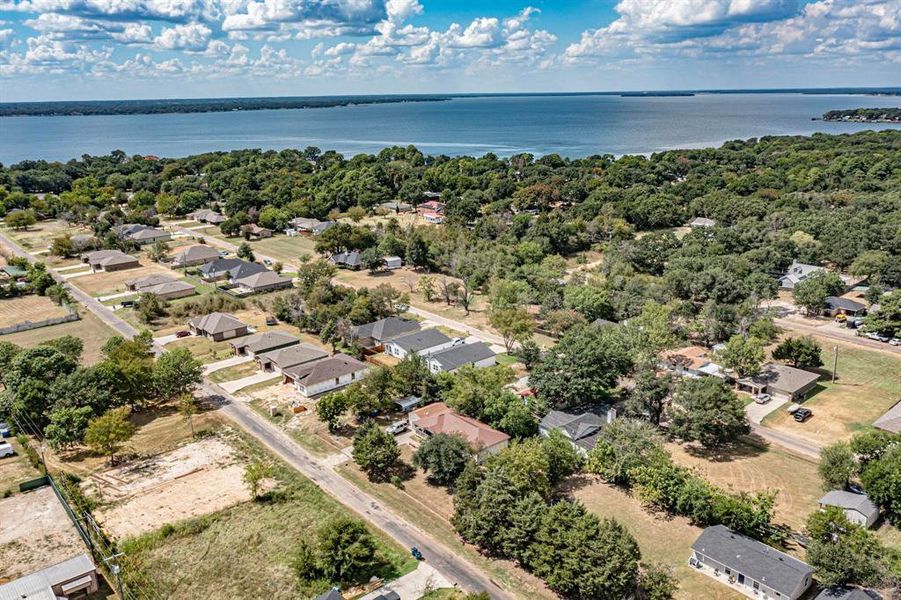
{"points": [[271, 321], [802, 414], [182, 334]]}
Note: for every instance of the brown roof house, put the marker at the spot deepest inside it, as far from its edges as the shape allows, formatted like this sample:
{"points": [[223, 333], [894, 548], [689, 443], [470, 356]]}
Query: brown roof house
{"points": [[258, 343], [692, 361], [781, 382], [325, 375], [217, 326], [264, 281], [292, 356], [254, 230], [194, 256], [169, 290], [440, 418], [110, 260], [141, 234]]}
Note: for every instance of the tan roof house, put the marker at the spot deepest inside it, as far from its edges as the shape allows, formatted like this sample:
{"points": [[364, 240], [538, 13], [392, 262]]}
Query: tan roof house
{"points": [[292, 356], [170, 290], [217, 326], [325, 375], [264, 281], [110, 260], [194, 256]]}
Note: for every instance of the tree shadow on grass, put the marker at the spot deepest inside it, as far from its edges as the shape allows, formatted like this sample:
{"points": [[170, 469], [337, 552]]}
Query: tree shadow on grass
{"points": [[747, 447]]}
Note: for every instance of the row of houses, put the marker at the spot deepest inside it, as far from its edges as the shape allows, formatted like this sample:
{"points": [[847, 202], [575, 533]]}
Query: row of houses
{"points": [[245, 276], [353, 260]]}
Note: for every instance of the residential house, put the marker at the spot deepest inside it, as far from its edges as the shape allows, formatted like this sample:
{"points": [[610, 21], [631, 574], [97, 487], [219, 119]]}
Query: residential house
{"points": [[217, 326], [857, 507], [170, 290], [422, 342], [582, 429], [890, 421], [702, 222], [781, 382], [692, 362], [258, 343], [440, 418], [205, 215], [139, 283], [229, 268], [346, 260], [798, 272], [255, 231], [264, 281], [325, 375], [194, 256], [396, 207], [305, 225], [836, 305], [372, 336], [141, 234], [393, 262], [291, 356], [748, 566], [432, 211], [72, 578], [110, 260], [435, 218], [848, 593], [477, 354]]}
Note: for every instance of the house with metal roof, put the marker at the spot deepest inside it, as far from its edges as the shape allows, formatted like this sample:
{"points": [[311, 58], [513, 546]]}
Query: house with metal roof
{"points": [[439, 418], [373, 336], [477, 354], [259, 343], [582, 429], [72, 578], [781, 381], [422, 342], [194, 256], [290, 356], [325, 375], [857, 507], [217, 326], [748, 566]]}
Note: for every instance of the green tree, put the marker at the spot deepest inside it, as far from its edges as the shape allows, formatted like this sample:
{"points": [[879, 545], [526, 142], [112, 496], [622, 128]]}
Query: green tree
{"points": [[649, 397], [70, 346], [515, 325], [62, 246], [330, 408], [583, 367], [67, 426], [624, 445], [802, 352], [841, 552], [20, 219], [562, 457], [837, 466], [375, 450], [742, 354], [443, 457], [187, 408], [426, 287], [881, 479], [175, 373], [656, 581], [887, 320], [346, 551], [590, 301], [245, 252], [107, 433], [706, 411], [150, 307], [372, 259], [254, 474], [159, 251], [811, 293], [527, 466]]}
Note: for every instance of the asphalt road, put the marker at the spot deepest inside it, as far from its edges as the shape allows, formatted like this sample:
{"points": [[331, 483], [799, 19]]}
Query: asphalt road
{"points": [[439, 556], [842, 335]]}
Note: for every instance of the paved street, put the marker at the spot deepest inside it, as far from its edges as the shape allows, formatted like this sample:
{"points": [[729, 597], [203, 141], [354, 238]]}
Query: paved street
{"points": [[837, 333]]}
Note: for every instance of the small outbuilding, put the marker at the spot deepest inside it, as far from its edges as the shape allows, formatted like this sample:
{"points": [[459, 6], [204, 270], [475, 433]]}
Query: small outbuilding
{"points": [[393, 262], [702, 222], [857, 507], [72, 578]]}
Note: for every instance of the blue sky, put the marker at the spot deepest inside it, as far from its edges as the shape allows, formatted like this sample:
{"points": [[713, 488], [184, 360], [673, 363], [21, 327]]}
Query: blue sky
{"points": [[108, 49]]}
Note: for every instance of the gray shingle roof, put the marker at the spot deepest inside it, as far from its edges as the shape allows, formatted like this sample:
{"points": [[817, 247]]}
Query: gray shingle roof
{"points": [[421, 340], [245, 269], [754, 559], [293, 355], [835, 302], [325, 369], [847, 593], [385, 329], [196, 253], [149, 281], [583, 429], [464, 354], [891, 420], [263, 279], [265, 341], [349, 259], [216, 322], [220, 265], [167, 287], [851, 501], [785, 378]]}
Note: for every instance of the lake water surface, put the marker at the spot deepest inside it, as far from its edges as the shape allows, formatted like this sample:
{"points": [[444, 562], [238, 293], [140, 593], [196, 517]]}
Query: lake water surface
{"points": [[569, 125]]}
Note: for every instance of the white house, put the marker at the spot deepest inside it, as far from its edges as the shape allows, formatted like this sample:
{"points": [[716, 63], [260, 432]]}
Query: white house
{"points": [[423, 343], [857, 507], [325, 375], [478, 354]]}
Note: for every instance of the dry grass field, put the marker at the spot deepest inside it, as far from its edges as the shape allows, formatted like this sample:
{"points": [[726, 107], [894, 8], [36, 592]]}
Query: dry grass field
{"points": [[869, 383], [38, 236], [753, 468], [35, 532], [104, 284], [204, 350], [660, 537], [91, 330], [28, 308]]}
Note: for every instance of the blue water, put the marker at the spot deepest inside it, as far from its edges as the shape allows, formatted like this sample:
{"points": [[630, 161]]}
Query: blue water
{"points": [[569, 125]]}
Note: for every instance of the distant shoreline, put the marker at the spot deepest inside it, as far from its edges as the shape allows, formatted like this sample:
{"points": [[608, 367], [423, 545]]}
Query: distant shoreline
{"points": [[209, 105], [865, 115]]}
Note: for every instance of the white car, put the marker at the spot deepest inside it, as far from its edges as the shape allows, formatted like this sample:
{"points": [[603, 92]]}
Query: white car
{"points": [[762, 398], [397, 427], [6, 449], [895, 342]]}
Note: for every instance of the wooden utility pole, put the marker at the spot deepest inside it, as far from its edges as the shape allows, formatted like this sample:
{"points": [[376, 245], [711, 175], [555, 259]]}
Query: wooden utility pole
{"points": [[834, 362]]}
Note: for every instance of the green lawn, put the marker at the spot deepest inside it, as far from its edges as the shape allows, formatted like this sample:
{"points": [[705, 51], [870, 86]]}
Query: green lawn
{"points": [[865, 388], [245, 551]]}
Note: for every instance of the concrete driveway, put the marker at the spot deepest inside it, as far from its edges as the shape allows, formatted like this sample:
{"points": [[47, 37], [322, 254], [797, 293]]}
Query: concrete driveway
{"points": [[233, 386], [413, 585], [226, 363], [756, 412]]}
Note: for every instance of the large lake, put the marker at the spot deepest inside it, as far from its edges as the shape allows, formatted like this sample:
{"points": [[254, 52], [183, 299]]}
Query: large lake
{"points": [[569, 125]]}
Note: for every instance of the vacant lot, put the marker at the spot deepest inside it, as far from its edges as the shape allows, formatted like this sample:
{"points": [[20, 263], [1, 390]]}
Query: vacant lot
{"points": [[236, 372], [752, 468], [102, 283], [868, 384], [91, 330], [244, 551], [193, 480], [204, 350], [15, 469], [28, 308], [35, 532], [661, 538], [38, 236], [285, 249]]}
